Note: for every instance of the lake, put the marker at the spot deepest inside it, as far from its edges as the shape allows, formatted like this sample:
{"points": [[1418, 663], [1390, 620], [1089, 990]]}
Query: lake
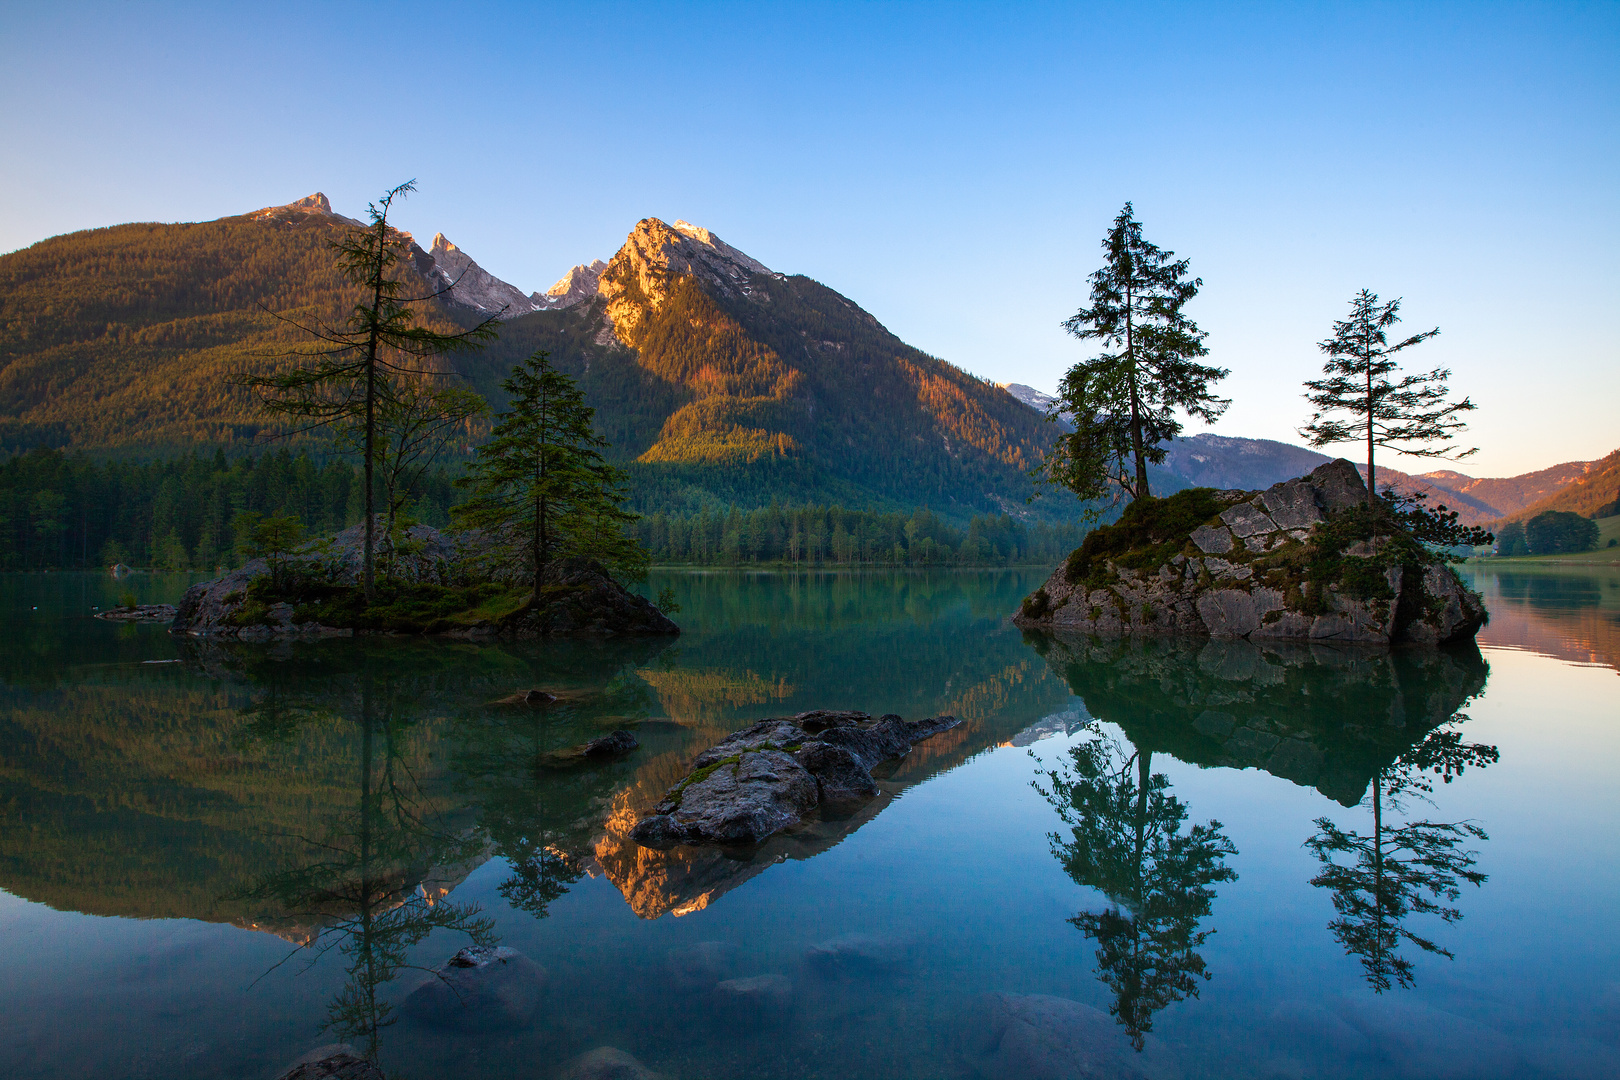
{"points": [[1171, 858]]}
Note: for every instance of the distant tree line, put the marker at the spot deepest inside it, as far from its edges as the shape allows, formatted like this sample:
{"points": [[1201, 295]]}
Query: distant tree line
{"points": [[66, 511], [1554, 532], [831, 535], [61, 511]]}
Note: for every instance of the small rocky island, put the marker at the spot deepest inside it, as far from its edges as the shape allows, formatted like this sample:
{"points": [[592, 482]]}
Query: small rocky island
{"points": [[1303, 560], [770, 776], [433, 583]]}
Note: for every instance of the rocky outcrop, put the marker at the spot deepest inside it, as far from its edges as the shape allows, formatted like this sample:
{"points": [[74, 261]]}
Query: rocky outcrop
{"points": [[1298, 561], [479, 987], [770, 776], [578, 596]]}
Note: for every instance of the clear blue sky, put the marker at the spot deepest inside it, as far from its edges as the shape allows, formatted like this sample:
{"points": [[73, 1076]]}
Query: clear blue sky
{"points": [[951, 168]]}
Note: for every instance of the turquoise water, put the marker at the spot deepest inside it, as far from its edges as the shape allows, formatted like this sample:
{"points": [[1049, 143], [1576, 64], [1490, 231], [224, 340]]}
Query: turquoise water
{"points": [[215, 858]]}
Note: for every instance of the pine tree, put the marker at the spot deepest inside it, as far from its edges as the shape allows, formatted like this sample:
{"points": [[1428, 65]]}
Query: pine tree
{"points": [[346, 378], [1123, 401], [1410, 416], [540, 484]]}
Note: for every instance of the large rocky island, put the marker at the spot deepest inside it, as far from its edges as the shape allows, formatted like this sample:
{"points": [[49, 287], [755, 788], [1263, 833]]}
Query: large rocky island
{"points": [[433, 583], [1303, 560]]}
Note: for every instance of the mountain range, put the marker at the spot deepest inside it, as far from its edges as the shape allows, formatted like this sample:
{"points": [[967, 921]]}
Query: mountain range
{"points": [[1221, 461], [716, 378]]}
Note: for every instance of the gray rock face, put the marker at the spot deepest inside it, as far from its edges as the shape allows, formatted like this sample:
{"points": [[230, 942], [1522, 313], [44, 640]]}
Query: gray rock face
{"points": [[1292, 505], [1338, 485], [479, 988], [1236, 579], [1212, 541], [335, 1061], [769, 776], [606, 1063], [1040, 1037]]}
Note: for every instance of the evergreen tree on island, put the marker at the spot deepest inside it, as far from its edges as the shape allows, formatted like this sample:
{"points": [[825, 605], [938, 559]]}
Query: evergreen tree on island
{"points": [[540, 484], [1123, 401], [1410, 416], [347, 379]]}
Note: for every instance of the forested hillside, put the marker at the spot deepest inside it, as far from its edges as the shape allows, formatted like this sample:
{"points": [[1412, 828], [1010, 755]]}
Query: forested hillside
{"points": [[1595, 494]]}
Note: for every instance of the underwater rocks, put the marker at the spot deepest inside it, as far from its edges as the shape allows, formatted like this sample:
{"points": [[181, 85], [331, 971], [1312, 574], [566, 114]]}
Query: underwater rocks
{"points": [[768, 777], [336, 1061], [1280, 564], [607, 1063], [479, 987], [1040, 1037]]}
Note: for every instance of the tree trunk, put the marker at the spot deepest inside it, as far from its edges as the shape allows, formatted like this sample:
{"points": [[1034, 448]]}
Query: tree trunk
{"points": [[1136, 407], [370, 577], [1372, 478]]}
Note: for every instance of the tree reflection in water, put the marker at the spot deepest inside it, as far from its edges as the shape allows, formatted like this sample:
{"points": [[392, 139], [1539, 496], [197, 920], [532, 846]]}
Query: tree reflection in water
{"points": [[1401, 870], [1126, 841], [365, 889]]}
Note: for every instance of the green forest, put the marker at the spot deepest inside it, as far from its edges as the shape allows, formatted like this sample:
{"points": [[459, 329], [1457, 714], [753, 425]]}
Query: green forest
{"points": [[67, 511]]}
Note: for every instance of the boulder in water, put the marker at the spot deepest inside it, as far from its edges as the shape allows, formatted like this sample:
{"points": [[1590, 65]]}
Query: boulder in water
{"points": [[606, 1063], [770, 775], [479, 987], [1040, 1037], [335, 1061]]}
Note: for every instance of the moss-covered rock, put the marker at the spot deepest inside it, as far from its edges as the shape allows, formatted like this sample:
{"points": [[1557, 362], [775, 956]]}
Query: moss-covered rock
{"points": [[1302, 560]]}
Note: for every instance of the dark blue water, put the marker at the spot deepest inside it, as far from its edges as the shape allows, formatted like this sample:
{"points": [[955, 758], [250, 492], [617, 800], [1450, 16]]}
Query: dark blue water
{"points": [[1285, 863]]}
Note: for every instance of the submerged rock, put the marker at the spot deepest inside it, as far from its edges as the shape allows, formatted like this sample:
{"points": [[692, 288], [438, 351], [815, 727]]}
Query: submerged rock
{"points": [[479, 987], [859, 954], [767, 777], [701, 966], [757, 997], [1288, 563], [616, 744], [1040, 1037], [606, 1063], [335, 1061]]}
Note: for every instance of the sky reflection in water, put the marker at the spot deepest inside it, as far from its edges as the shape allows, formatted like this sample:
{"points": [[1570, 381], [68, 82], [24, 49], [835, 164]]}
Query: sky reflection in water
{"points": [[1246, 862]]}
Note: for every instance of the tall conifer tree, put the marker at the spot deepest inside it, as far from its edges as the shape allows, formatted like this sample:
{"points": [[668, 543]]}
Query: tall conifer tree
{"points": [[346, 378], [1123, 401], [541, 485], [1411, 416]]}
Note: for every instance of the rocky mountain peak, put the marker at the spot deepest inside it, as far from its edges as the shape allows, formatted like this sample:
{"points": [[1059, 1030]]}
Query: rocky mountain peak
{"points": [[317, 203], [470, 285], [654, 253], [578, 285]]}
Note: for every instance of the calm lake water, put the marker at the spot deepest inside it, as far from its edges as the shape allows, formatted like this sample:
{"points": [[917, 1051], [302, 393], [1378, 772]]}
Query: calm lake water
{"points": [[1287, 863]]}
